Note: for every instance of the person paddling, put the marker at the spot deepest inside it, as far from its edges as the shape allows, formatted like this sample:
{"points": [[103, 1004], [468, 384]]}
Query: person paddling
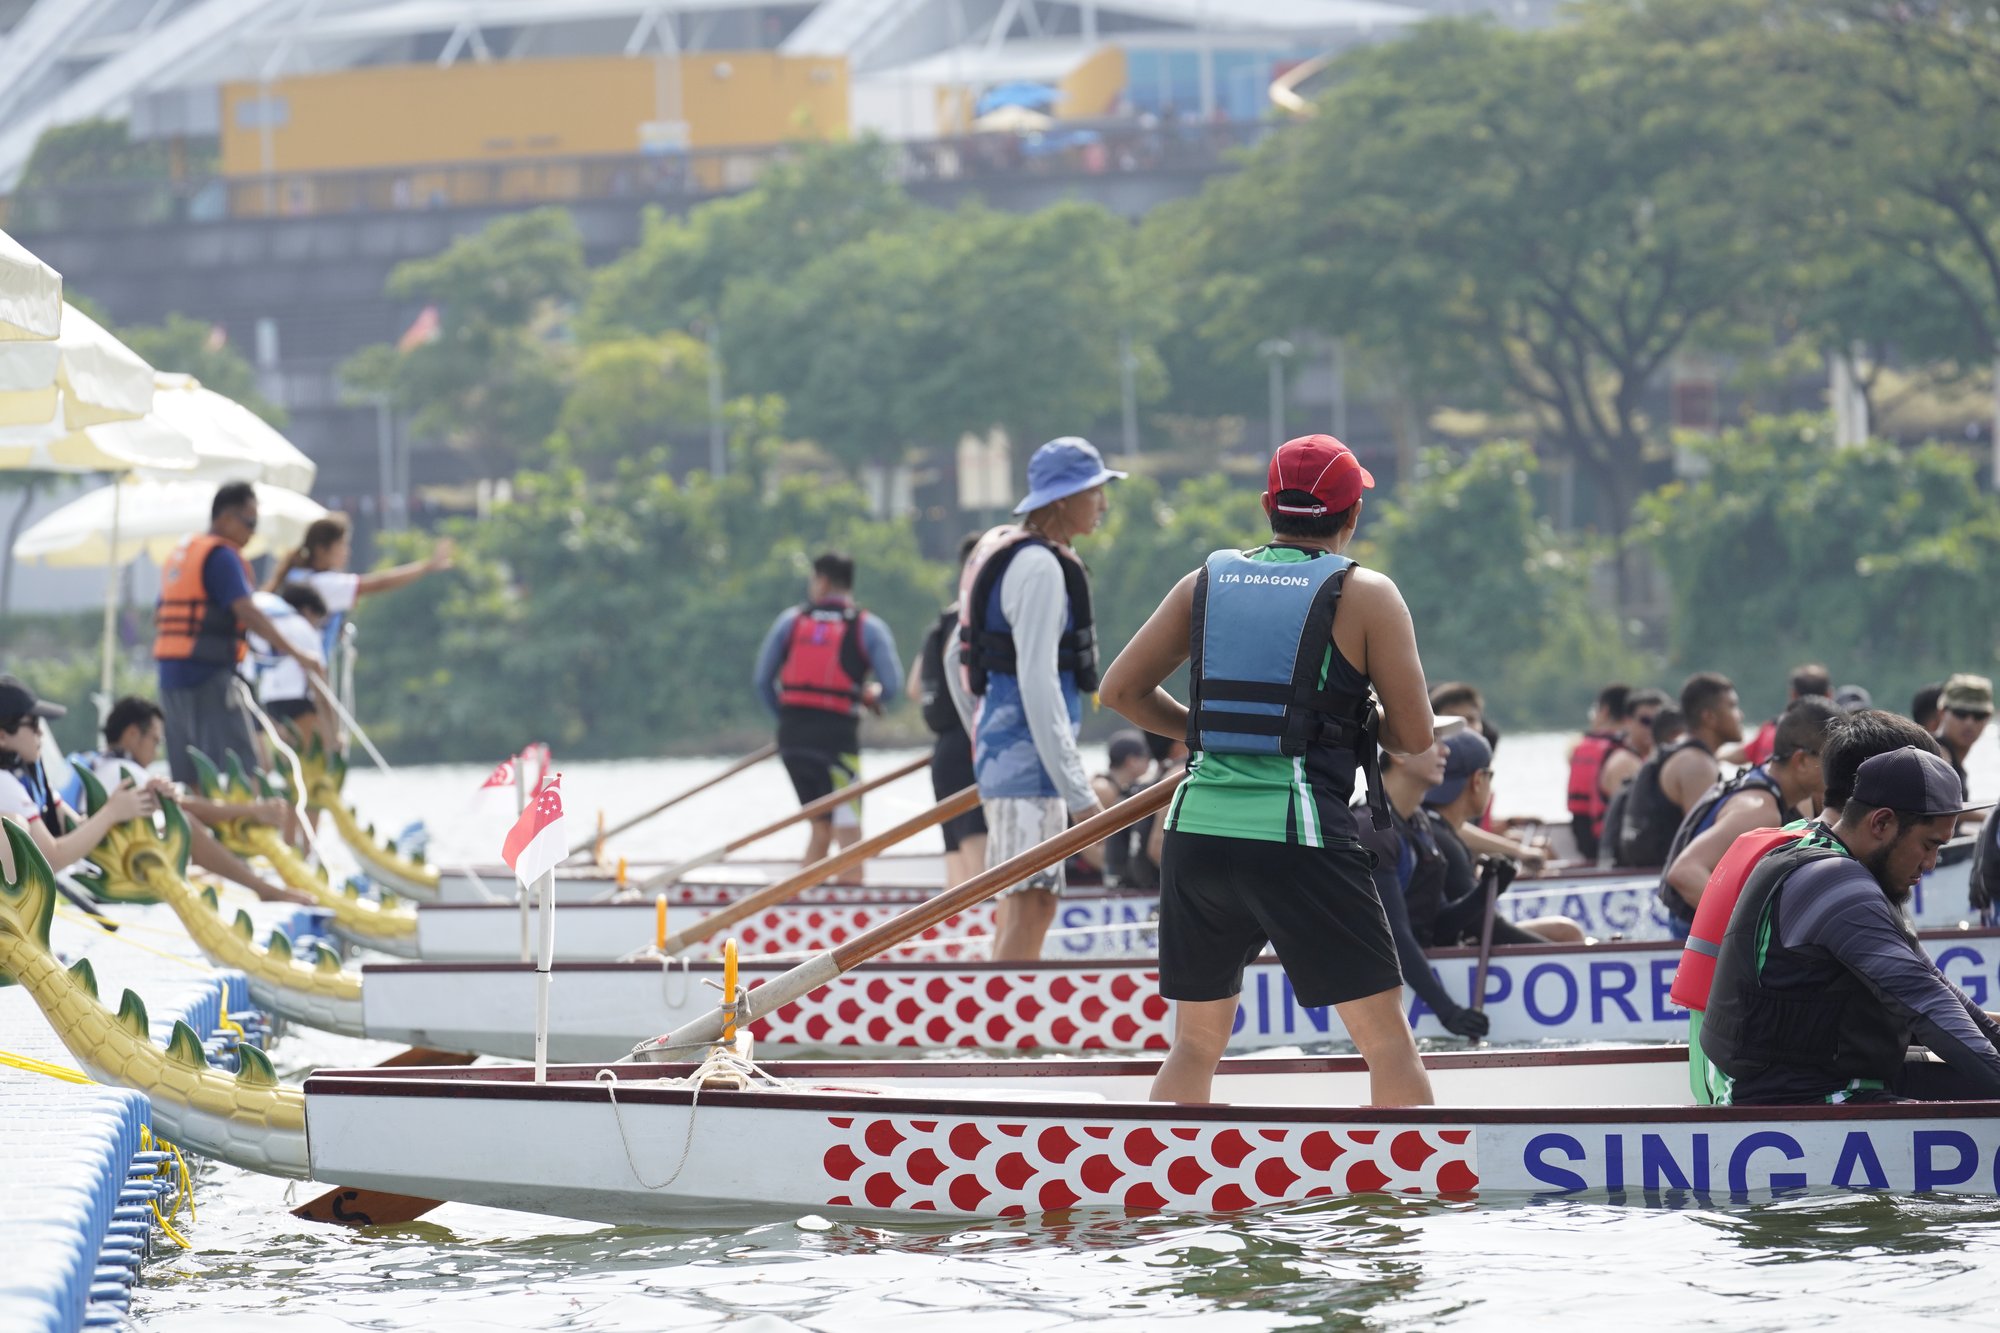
{"points": [[1768, 795], [812, 673], [1850, 742], [1604, 737], [1284, 643], [1465, 789], [1669, 783], [1821, 986], [1027, 658]]}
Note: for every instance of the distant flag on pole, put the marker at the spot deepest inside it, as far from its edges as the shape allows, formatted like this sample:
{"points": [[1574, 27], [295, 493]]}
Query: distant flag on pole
{"points": [[423, 329], [535, 846], [501, 776]]}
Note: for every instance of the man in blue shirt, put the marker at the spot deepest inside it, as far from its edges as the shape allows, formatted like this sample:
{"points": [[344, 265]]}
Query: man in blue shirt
{"points": [[812, 673], [204, 608]]}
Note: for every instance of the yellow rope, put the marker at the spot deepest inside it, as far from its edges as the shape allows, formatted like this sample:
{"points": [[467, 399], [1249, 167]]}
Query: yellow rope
{"points": [[29, 1064], [183, 1178], [71, 914], [229, 1024]]}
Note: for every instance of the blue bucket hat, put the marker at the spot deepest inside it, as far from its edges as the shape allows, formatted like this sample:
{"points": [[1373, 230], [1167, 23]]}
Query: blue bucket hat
{"points": [[1062, 468]]}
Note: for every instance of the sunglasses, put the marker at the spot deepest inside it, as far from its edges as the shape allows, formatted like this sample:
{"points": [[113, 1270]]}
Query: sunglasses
{"points": [[1644, 719], [1968, 714]]}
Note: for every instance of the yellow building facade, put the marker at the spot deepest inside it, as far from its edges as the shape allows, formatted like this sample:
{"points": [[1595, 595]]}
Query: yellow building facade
{"points": [[491, 113]]}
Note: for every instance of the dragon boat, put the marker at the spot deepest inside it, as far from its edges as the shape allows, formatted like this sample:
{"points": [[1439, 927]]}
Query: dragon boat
{"points": [[247, 1118], [649, 1143], [324, 774], [136, 862], [599, 1010]]}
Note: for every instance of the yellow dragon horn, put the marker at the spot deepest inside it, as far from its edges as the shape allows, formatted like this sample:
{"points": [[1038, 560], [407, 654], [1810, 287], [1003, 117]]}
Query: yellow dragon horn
{"points": [[205, 775], [28, 901], [86, 975], [184, 1047], [254, 1067], [132, 1016]]}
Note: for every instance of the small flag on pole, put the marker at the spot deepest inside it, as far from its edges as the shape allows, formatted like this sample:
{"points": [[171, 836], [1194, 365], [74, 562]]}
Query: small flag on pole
{"points": [[501, 776], [535, 845]]}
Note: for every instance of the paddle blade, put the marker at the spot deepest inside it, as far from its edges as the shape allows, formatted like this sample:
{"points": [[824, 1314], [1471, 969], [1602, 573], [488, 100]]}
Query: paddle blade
{"points": [[365, 1208]]}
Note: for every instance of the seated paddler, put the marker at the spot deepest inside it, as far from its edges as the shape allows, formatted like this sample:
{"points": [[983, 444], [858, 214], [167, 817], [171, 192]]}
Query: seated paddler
{"points": [[1821, 986]]}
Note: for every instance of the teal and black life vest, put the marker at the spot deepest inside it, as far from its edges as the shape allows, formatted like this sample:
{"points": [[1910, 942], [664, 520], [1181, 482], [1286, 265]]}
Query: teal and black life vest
{"points": [[1701, 818], [1258, 657], [1830, 1024]]}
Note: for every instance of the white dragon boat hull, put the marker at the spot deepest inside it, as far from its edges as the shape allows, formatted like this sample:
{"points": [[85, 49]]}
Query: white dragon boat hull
{"points": [[599, 1011], [1003, 1139], [922, 871], [1085, 927]]}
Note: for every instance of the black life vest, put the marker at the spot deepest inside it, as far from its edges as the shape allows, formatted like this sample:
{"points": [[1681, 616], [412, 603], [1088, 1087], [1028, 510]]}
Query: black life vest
{"points": [[940, 713], [986, 644], [1833, 1026], [1701, 817], [1422, 870], [1651, 817], [1984, 881], [1127, 864], [824, 665]]}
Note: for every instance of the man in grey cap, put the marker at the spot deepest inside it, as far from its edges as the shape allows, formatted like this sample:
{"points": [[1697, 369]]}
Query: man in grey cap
{"points": [[1964, 706], [1820, 986], [1028, 649]]}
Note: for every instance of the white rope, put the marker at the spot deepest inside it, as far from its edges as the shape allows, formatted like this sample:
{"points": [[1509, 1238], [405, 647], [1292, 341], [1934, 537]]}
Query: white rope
{"points": [[722, 1061]]}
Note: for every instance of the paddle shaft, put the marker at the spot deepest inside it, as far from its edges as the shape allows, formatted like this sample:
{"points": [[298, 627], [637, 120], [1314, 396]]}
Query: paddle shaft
{"points": [[820, 871], [816, 972], [750, 760], [811, 810], [1501, 878]]}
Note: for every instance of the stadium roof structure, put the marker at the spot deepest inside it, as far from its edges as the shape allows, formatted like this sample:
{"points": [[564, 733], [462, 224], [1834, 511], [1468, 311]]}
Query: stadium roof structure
{"points": [[160, 61]]}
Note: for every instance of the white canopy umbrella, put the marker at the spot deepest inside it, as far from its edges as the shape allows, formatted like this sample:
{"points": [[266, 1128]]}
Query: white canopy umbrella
{"points": [[230, 442], [84, 378], [30, 295], [153, 517]]}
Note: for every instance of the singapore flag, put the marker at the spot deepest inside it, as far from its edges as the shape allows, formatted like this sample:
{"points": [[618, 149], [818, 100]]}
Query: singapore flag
{"points": [[535, 845]]}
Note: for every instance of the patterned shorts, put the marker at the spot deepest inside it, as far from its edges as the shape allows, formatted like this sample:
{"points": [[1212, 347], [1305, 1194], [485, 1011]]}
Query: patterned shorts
{"points": [[1015, 824]]}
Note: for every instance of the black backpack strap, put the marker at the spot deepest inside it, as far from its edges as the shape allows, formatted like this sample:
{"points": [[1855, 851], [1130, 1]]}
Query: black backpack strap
{"points": [[1198, 621]]}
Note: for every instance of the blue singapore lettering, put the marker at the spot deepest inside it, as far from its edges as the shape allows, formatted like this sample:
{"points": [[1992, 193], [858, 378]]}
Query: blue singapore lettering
{"points": [[1973, 983], [1530, 998], [1739, 1162], [1603, 992], [1857, 1152], [1659, 1170], [1929, 1174], [1664, 1008], [1535, 1161]]}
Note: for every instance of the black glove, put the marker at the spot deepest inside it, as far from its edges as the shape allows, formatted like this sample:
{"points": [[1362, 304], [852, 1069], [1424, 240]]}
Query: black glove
{"points": [[1464, 1022]]}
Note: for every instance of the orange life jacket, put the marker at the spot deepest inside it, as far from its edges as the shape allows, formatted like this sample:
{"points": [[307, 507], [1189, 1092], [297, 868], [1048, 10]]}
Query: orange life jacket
{"points": [[190, 627], [1696, 973]]}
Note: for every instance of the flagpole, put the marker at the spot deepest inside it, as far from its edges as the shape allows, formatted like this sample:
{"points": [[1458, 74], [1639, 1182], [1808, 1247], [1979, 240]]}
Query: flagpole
{"points": [[547, 885], [520, 890]]}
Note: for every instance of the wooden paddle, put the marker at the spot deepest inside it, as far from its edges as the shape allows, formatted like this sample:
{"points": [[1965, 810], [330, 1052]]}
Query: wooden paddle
{"points": [[816, 972], [824, 805], [379, 1208], [750, 760], [820, 871], [1500, 874]]}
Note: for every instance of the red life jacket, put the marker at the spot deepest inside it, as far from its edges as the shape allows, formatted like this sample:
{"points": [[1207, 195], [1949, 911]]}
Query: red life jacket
{"points": [[824, 663], [1711, 915], [1586, 767]]}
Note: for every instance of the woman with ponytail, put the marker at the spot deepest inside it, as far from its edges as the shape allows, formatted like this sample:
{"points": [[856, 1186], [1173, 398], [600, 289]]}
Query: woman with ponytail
{"points": [[320, 561]]}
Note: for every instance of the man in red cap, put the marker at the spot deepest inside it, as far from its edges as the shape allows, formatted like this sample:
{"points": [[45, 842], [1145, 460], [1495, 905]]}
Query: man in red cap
{"points": [[1284, 643]]}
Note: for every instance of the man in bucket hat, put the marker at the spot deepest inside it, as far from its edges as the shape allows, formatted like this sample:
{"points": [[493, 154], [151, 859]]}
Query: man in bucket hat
{"points": [[1028, 656], [1288, 646]]}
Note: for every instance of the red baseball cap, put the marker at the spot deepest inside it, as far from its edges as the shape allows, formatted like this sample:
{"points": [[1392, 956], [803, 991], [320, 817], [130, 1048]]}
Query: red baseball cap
{"points": [[1321, 466]]}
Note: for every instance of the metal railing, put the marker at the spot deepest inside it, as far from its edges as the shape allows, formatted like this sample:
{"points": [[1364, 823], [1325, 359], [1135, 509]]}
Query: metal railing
{"points": [[1079, 151]]}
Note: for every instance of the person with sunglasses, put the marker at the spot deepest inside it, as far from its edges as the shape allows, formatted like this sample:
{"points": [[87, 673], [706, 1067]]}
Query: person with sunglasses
{"points": [[1963, 709], [206, 605], [27, 797], [1766, 795]]}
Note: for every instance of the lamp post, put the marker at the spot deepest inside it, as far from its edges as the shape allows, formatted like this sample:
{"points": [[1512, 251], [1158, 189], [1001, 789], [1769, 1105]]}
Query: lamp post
{"points": [[1276, 351], [1128, 371]]}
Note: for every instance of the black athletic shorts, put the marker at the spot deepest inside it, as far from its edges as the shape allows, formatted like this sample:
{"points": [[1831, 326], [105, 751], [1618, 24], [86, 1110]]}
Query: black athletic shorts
{"points": [[286, 709], [951, 773], [816, 773], [1223, 899]]}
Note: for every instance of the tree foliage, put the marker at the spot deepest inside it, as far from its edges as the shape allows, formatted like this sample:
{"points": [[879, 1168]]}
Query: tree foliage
{"points": [[189, 347]]}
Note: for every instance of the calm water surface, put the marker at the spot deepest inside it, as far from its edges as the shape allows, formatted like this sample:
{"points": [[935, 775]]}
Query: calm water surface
{"points": [[1831, 1260]]}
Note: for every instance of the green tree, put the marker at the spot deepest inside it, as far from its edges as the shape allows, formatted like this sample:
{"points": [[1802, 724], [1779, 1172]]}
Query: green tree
{"points": [[1873, 560], [824, 197], [632, 395], [1560, 210], [494, 378], [188, 347]]}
